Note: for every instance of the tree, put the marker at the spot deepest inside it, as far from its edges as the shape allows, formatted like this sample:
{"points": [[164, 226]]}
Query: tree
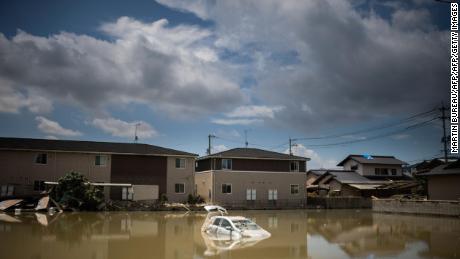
{"points": [[75, 192]]}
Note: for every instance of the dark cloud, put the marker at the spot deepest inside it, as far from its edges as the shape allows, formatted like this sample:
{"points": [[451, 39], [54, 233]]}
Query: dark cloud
{"points": [[351, 65]]}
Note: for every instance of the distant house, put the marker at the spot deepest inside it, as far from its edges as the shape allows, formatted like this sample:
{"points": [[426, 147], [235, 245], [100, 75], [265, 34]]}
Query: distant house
{"points": [[443, 181], [133, 170], [374, 167], [250, 177], [423, 166], [313, 174], [343, 183]]}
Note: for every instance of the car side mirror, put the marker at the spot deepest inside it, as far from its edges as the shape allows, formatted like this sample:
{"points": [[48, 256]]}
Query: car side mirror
{"points": [[229, 228]]}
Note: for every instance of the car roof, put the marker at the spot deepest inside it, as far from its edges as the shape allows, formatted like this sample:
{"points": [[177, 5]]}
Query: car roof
{"points": [[232, 217]]}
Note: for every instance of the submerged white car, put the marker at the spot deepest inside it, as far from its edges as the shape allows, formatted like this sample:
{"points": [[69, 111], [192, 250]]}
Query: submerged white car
{"points": [[231, 227]]}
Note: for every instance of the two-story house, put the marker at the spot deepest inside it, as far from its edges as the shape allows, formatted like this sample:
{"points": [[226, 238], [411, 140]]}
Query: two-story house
{"points": [[374, 167], [26, 164], [252, 178]]}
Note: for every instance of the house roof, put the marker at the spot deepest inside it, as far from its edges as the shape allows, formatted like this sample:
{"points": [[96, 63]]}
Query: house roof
{"points": [[445, 169], [254, 153], [371, 159], [425, 165], [87, 147], [344, 176], [322, 171]]}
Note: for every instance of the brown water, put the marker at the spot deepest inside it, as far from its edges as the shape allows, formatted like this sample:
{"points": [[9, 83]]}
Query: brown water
{"points": [[295, 234]]}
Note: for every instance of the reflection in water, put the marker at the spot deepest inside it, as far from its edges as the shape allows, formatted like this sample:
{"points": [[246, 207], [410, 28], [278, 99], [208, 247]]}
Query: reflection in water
{"points": [[295, 234], [216, 245]]}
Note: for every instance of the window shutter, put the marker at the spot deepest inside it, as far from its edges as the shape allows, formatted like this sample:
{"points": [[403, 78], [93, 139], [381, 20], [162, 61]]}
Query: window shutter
{"points": [[124, 195], [10, 190], [254, 194]]}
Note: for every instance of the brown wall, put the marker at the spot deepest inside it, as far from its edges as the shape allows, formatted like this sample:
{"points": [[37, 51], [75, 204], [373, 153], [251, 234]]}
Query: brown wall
{"points": [[250, 165], [444, 187], [144, 170], [19, 168], [203, 165]]}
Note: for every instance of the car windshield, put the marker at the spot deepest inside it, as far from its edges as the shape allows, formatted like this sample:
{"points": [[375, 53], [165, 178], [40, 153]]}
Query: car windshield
{"points": [[243, 224]]}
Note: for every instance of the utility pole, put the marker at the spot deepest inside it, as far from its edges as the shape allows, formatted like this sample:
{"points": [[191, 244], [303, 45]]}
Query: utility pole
{"points": [[292, 144], [209, 143], [444, 138]]}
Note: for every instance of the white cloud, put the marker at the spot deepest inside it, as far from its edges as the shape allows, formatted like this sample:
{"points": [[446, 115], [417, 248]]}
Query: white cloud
{"points": [[119, 128], [51, 137], [172, 69], [249, 114], [12, 101], [227, 121], [316, 161], [52, 127], [255, 111], [219, 148]]}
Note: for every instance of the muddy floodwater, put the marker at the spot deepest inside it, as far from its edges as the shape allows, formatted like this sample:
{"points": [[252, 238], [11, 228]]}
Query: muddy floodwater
{"points": [[295, 234]]}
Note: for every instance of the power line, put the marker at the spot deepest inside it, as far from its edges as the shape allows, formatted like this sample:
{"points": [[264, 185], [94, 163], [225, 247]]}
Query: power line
{"points": [[384, 126], [411, 127]]}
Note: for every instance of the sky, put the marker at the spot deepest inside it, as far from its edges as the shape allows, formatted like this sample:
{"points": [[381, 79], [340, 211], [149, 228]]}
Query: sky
{"points": [[338, 77]]}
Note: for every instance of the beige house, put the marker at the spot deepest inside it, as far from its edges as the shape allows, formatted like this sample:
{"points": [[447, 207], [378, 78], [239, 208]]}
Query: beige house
{"points": [[374, 167], [133, 170], [252, 178]]}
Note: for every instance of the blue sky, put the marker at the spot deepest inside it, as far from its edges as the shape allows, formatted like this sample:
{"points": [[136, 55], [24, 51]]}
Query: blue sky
{"points": [[91, 70]]}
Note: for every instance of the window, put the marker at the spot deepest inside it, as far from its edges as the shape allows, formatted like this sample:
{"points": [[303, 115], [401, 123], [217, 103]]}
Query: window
{"points": [[226, 188], [225, 223], [216, 222], [294, 189], [179, 188], [6, 190], [272, 194], [294, 166], [354, 167], [41, 158], [251, 194], [39, 186], [381, 171], [100, 160], [226, 164], [127, 193], [180, 163], [393, 171]]}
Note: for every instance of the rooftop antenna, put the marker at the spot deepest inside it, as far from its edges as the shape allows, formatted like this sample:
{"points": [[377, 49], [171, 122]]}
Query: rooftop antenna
{"points": [[246, 137], [136, 138]]}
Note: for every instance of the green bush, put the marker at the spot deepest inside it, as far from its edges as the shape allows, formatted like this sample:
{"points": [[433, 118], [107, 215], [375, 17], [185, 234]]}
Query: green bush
{"points": [[194, 199], [74, 192], [163, 198]]}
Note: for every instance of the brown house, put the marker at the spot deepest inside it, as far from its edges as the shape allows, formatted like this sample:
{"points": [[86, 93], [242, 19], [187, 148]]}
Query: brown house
{"points": [[26, 164], [443, 181], [250, 177]]}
